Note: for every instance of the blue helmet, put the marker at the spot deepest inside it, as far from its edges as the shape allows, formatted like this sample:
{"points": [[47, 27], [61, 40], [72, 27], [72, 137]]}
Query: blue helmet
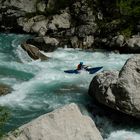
{"points": [[81, 63]]}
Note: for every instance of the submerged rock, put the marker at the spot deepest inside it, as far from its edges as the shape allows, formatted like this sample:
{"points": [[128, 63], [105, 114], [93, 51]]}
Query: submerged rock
{"points": [[66, 123], [5, 89], [33, 52], [120, 92]]}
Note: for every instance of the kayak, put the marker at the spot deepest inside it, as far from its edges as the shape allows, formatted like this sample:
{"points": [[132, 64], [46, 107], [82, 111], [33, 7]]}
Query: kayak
{"points": [[90, 70]]}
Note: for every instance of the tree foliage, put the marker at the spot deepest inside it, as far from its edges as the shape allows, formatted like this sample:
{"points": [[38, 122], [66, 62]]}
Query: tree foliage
{"points": [[4, 115], [129, 7]]}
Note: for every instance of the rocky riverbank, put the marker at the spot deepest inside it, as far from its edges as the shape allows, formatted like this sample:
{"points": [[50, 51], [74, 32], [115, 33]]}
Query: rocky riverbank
{"points": [[82, 24]]}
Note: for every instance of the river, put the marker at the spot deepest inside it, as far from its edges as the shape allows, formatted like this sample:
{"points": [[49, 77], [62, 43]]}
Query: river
{"points": [[40, 87]]}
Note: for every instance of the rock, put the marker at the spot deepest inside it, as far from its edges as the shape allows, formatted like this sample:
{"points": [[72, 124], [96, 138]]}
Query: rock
{"points": [[34, 24], [127, 89], [41, 6], [121, 92], [40, 27], [85, 23], [88, 42], [51, 41], [5, 89], [85, 30], [100, 87], [33, 52], [74, 42], [82, 12], [51, 5], [120, 40], [133, 44], [66, 123], [117, 42], [28, 6], [62, 21], [45, 43]]}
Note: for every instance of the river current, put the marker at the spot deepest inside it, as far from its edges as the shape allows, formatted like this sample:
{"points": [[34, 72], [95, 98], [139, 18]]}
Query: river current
{"points": [[40, 87]]}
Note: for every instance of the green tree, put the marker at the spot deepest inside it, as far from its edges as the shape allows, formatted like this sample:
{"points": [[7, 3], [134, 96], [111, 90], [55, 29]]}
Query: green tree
{"points": [[129, 7]]}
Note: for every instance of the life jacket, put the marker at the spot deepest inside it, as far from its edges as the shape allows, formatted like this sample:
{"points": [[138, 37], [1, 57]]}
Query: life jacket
{"points": [[79, 67]]}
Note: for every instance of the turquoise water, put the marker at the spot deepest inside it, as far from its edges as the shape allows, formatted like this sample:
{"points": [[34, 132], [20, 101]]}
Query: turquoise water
{"points": [[40, 87]]}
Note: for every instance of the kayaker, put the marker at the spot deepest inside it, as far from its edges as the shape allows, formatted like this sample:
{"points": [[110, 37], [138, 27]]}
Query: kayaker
{"points": [[81, 66]]}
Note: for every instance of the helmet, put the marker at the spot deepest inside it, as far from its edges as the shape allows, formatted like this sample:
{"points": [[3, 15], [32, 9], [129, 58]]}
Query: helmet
{"points": [[81, 63]]}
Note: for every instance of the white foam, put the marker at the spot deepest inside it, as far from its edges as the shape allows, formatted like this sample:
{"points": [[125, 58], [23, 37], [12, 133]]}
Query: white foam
{"points": [[124, 135], [52, 71]]}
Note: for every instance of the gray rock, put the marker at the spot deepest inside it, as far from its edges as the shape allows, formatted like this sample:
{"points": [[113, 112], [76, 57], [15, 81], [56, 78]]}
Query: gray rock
{"points": [[34, 24], [28, 6], [74, 42], [40, 27], [120, 40], [41, 6], [88, 41], [51, 41], [117, 41], [85, 30], [101, 85], [33, 52], [119, 92], [62, 21], [81, 11], [66, 123], [134, 43]]}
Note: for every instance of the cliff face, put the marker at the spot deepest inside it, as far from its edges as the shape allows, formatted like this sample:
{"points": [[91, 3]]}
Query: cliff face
{"points": [[81, 23]]}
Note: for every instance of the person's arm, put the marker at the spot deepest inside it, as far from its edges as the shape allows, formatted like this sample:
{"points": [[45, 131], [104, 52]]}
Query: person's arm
{"points": [[85, 67]]}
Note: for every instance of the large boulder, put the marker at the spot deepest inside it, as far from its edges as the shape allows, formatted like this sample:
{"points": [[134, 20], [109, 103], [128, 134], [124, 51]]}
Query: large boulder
{"points": [[66, 123], [33, 52], [120, 92], [101, 87]]}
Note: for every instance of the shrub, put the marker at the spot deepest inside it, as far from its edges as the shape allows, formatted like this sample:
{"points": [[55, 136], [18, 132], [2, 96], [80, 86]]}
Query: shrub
{"points": [[4, 115]]}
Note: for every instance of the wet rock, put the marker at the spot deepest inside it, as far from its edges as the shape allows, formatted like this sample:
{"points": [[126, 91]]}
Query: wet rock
{"points": [[45, 43], [5, 89], [33, 52], [121, 92], [66, 123]]}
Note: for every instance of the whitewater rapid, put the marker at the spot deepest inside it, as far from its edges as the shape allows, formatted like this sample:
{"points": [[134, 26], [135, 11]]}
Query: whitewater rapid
{"points": [[41, 86]]}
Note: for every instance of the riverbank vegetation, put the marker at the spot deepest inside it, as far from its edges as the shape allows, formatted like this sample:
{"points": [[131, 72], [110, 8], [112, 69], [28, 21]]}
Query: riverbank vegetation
{"points": [[4, 116]]}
